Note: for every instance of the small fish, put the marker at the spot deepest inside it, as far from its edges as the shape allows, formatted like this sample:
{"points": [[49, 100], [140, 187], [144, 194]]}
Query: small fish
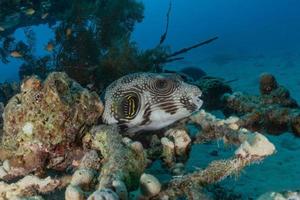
{"points": [[45, 15], [2, 29], [49, 47], [16, 54], [30, 11], [69, 32]]}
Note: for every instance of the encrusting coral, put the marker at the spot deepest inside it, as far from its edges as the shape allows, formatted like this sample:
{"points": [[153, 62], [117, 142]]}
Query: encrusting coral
{"points": [[44, 122], [125, 160]]}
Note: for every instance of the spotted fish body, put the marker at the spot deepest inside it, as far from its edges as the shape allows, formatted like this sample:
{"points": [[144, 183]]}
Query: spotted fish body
{"points": [[149, 101]]}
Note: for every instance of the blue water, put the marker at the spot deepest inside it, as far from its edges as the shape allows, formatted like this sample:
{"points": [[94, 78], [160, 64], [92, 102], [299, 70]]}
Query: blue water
{"points": [[254, 37], [245, 28]]}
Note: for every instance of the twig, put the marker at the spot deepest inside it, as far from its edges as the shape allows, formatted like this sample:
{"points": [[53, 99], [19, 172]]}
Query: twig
{"points": [[164, 35], [184, 50], [174, 59]]}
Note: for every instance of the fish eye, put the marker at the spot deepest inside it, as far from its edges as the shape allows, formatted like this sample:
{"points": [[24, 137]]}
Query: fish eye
{"points": [[161, 83], [130, 106]]}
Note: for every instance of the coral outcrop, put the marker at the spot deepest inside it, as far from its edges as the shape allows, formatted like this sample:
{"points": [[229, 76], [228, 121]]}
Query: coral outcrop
{"points": [[273, 111], [212, 91], [44, 123]]}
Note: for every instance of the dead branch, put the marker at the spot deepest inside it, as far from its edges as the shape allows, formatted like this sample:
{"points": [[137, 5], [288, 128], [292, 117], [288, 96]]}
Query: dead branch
{"points": [[164, 35], [184, 50]]}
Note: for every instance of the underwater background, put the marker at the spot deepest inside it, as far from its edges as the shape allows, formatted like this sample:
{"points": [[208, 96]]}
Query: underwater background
{"points": [[254, 37]]}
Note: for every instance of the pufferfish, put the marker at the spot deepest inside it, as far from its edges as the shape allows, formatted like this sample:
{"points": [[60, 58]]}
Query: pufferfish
{"points": [[149, 101]]}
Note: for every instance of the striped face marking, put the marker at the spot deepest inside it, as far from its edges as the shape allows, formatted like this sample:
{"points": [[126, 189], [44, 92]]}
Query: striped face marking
{"points": [[130, 106], [149, 101]]}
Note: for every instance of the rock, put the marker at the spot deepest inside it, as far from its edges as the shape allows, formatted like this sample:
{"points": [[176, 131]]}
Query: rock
{"points": [[3, 172], [267, 83], [295, 125], [50, 113], [178, 169], [255, 145], [82, 177], [28, 198], [124, 163], [120, 189], [6, 165], [168, 152], [149, 185], [212, 91], [275, 196], [137, 146], [104, 194], [74, 193], [181, 141], [90, 160], [45, 120]]}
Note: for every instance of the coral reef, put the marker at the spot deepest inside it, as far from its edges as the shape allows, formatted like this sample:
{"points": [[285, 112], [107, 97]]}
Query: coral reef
{"points": [[121, 163], [54, 125], [44, 123], [273, 111]]}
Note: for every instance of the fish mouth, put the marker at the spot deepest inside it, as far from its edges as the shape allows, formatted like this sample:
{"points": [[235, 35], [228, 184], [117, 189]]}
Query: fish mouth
{"points": [[198, 102]]}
